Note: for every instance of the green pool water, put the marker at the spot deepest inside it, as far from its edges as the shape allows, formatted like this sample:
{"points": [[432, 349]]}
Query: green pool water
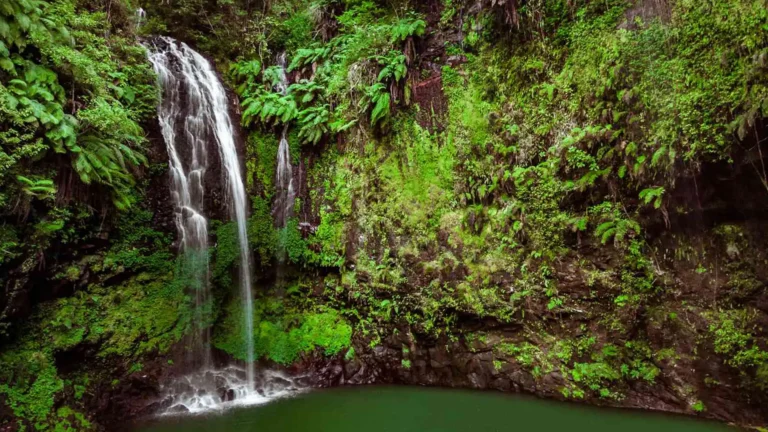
{"points": [[408, 409]]}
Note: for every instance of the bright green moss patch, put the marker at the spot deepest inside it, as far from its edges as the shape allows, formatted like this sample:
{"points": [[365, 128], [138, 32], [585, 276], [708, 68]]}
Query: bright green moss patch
{"points": [[70, 420], [227, 253], [147, 313], [326, 244], [138, 246], [262, 235], [262, 161], [283, 335], [30, 384], [290, 242], [263, 239], [734, 334]]}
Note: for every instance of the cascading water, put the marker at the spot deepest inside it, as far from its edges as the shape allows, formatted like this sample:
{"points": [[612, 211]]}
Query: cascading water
{"points": [[284, 182], [282, 62], [215, 390], [141, 17], [194, 112], [284, 175], [183, 119]]}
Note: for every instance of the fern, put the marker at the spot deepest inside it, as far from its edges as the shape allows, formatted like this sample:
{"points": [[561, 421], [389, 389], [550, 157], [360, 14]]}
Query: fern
{"points": [[407, 27], [273, 76], [652, 194], [340, 124], [578, 223], [379, 99], [313, 123], [614, 224], [38, 188], [617, 229], [306, 91], [246, 73], [588, 179], [308, 56], [394, 66], [269, 108], [64, 135]]}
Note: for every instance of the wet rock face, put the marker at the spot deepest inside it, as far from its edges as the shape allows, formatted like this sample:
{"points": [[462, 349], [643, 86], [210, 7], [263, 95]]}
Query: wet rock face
{"points": [[214, 201], [14, 302], [158, 190], [127, 399], [687, 374], [481, 366]]}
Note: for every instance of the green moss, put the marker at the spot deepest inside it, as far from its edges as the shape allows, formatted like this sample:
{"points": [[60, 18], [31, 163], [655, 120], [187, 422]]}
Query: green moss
{"points": [[329, 240], [263, 239], [291, 242], [70, 420], [227, 253], [468, 110], [261, 163], [30, 384], [527, 354], [419, 175], [283, 335], [138, 246], [146, 314], [734, 334], [262, 235], [698, 406]]}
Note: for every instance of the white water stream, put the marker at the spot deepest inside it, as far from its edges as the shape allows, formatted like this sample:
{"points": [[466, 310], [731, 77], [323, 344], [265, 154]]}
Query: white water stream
{"points": [[193, 113], [284, 184], [140, 17], [286, 194], [183, 122], [218, 390]]}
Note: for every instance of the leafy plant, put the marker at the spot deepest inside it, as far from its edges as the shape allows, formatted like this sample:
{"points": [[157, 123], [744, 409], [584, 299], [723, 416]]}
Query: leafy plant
{"points": [[614, 225], [269, 108], [39, 188], [247, 74], [652, 194], [407, 27], [379, 99], [314, 123]]}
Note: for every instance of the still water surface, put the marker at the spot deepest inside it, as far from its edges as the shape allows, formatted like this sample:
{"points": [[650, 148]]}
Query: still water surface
{"points": [[408, 409]]}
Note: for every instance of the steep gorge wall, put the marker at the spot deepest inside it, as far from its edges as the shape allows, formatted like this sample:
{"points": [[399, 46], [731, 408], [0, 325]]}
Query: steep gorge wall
{"points": [[568, 208], [537, 210]]}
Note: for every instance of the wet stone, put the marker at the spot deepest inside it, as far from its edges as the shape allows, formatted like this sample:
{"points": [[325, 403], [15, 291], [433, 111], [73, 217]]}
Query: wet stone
{"points": [[178, 409]]}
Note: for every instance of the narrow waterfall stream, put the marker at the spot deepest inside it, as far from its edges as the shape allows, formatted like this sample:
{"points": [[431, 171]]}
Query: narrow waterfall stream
{"points": [[141, 17], [284, 175], [184, 119], [193, 113], [284, 182]]}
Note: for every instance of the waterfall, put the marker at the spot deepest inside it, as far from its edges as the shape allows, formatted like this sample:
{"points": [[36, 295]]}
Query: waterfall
{"points": [[183, 123], [284, 182], [284, 175], [193, 111], [141, 17]]}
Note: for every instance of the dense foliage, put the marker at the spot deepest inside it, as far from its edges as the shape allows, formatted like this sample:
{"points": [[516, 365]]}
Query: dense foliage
{"points": [[71, 143], [75, 87], [573, 188], [69, 92], [569, 126]]}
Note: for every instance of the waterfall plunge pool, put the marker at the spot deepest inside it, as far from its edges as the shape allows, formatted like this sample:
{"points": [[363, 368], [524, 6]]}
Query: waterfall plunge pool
{"points": [[418, 409]]}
